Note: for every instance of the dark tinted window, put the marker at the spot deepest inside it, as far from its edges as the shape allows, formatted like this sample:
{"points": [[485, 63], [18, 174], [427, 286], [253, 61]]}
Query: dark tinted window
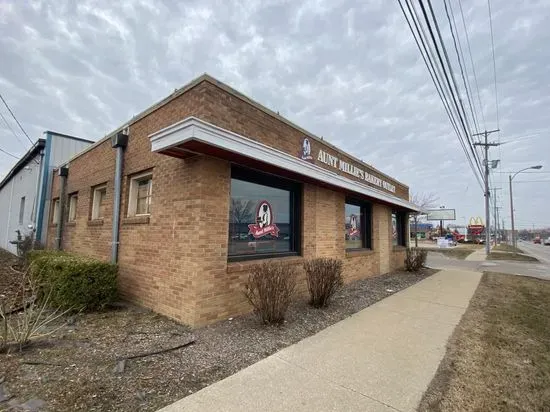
{"points": [[357, 225], [262, 216]]}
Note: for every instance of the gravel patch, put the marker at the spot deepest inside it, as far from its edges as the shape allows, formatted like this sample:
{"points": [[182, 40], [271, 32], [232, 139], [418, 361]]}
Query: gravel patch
{"points": [[80, 368]]}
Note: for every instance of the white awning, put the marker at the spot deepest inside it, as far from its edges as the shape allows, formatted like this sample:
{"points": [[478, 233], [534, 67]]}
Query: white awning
{"points": [[180, 136]]}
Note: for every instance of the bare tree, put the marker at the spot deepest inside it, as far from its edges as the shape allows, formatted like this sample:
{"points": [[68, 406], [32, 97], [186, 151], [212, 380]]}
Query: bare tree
{"points": [[240, 212], [423, 201]]}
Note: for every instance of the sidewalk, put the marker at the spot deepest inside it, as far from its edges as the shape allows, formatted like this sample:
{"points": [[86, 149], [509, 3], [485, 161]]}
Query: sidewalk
{"points": [[478, 256], [380, 359]]}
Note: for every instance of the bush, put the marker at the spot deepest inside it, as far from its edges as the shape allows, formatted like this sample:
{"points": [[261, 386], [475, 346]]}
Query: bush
{"points": [[415, 259], [324, 278], [269, 290], [72, 281]]}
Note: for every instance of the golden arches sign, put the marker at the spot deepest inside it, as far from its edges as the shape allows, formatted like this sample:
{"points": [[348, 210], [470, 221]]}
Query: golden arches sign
{"points": [[476, 221]]}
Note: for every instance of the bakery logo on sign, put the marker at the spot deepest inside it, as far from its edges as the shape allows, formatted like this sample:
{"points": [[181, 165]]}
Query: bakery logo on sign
{"points": [[264, 222], [353, 230], [306, 150]]}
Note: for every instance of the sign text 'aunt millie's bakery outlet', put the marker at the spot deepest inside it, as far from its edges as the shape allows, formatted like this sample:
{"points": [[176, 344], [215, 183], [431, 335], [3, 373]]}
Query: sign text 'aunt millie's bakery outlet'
{"points": [[353, 170]]}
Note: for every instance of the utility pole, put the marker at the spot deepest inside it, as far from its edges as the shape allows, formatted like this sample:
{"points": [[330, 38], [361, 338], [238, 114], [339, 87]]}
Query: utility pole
{"points": [[497, 220], [495, 214], [486, 146]]}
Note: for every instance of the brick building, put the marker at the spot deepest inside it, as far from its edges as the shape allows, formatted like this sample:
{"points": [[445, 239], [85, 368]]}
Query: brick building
{"points": [[211, 183]]}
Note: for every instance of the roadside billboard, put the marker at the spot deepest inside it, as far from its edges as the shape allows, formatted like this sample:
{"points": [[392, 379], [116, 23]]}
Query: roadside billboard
{"points": [[441, 214]]}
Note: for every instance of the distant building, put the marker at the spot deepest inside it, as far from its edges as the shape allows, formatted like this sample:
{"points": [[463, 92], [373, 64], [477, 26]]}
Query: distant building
{"points": [[25, 190], [422, 230]]}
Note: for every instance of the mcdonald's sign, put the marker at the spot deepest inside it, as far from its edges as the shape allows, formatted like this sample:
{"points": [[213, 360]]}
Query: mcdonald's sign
{"points": [[476, 221], [476, 226]]}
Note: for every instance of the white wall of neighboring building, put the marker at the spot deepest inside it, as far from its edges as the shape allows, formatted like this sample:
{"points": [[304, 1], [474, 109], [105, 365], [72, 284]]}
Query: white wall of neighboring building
{"points": [[63, 148], [22, 184], [33, 181]]}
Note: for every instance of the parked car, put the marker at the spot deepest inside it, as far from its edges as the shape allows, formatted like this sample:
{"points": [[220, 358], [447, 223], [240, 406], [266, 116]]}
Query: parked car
{"points": [[547, 241], [537, 240]]}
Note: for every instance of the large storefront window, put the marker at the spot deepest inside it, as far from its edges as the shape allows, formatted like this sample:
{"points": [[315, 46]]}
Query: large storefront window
{"points": [[398, 228], [263, 216], [357, 225]]}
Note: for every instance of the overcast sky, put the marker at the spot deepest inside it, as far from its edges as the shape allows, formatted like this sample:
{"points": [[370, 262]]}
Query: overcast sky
{"points": [[345, 70]]}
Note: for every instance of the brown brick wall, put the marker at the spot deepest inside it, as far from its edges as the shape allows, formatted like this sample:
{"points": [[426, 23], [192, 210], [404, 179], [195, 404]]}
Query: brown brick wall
{"points": [[175, 261], [231, 113]]}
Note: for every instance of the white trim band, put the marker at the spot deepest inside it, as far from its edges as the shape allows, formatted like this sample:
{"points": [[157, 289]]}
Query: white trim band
{"points": [[193, 129]]}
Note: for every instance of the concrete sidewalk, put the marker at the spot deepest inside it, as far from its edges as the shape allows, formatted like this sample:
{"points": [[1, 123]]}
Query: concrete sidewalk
{"points": [[380, 359], [478, 256]]}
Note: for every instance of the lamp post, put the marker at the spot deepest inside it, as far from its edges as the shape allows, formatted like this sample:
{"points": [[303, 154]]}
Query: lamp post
{"points": [[510, 178], [441, 223]]}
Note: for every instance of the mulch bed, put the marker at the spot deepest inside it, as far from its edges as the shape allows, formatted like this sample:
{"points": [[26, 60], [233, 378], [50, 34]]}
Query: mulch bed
{"points": [[77, 369]]}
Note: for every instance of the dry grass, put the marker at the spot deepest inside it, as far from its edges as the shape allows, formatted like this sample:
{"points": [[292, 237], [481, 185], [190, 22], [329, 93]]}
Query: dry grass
{"points": [[511, 256], [507, 248], [455, 253], [474, 246], [498, 358]]}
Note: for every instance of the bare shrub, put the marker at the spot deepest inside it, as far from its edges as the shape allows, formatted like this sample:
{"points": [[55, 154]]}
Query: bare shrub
{"points": [[34, 321], [269, 290], [324, 278], [415, 259]]}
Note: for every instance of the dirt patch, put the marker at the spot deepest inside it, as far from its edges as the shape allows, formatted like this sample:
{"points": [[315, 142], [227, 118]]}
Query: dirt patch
{"points": [[498, 358], [77, 369]]}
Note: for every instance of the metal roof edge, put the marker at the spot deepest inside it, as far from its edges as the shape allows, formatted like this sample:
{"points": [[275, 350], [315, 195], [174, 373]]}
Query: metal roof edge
{"points": [[26, 158]]}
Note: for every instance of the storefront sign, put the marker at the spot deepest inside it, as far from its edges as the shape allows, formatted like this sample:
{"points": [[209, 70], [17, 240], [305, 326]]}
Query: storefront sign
{"points": [[305, 154], [353, 170], [264, 222]]}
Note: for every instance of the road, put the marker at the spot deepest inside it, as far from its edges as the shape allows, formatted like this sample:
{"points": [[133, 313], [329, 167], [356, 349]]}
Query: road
{"points": [[539, 270], [541, 252]]}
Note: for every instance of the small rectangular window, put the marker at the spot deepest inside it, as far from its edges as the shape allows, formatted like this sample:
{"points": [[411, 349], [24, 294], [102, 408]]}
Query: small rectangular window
{"points": [[357, 225], [99, 201], [55, 211], [73, 202], [22, 211], [140, 194], [398, 229]]}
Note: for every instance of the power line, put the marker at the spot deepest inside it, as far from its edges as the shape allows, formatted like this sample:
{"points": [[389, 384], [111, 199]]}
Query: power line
{"points": [[15, 118], [526, 172], [463, 121], [532, 181], [13, 131], [494, 62], [426, 52], [458, 56], [473, 65], [520, 138], [9, 154]]}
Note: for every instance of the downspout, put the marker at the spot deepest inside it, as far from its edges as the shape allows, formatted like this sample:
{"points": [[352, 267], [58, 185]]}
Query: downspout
{"points": [[63, 173], [118, 142]]}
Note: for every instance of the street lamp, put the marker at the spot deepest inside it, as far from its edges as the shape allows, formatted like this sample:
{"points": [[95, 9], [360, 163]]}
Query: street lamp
{"points": [[511, 177]]}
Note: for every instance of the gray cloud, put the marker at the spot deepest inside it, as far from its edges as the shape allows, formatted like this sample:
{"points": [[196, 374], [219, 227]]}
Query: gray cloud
{"points": [[345, 70]]}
